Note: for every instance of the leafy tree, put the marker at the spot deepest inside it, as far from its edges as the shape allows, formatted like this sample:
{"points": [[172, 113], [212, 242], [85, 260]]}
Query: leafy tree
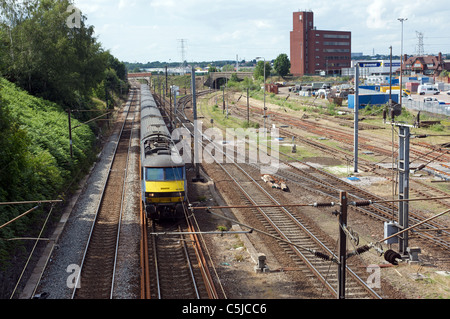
{"points": [[259, 69], [282, 64], [45, 56], [228, 68], [212, 68]]}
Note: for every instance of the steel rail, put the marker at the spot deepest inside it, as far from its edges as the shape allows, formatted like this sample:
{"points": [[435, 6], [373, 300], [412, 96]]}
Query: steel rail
{"points": [[328, 286], [312, 236], [384, 212], [122, 200], [188, 260], [206, 275], [101, 198]]}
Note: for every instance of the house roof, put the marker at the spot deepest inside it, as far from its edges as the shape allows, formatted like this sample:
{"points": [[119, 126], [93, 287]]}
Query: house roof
{"points": [[430, 63]]}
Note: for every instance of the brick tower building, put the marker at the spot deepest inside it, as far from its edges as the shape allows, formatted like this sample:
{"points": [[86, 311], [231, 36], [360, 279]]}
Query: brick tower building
{"points": [[315, 51]]}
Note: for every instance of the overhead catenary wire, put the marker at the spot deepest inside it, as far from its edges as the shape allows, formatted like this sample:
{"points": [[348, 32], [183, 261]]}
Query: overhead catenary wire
{"points": [[32, 251], [32, 202], [319, 205], [315, 252], [20, 216]]}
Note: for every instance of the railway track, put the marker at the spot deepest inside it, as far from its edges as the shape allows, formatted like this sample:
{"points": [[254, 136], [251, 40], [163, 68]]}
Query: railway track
{"points": [[430, 155], [97, 270], [177, 268], [283, 224], [173, 261], [288, 226], [331, 185]]}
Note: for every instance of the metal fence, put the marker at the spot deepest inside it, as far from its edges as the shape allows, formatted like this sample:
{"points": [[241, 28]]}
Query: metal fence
{"points": [[432, 107]]}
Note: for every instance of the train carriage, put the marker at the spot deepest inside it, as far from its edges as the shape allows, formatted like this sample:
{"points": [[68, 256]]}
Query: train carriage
{"points": [[163, 184]]}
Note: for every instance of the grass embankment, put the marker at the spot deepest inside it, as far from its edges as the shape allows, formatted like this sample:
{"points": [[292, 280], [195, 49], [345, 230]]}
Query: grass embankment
{"points": [[35, 164]]}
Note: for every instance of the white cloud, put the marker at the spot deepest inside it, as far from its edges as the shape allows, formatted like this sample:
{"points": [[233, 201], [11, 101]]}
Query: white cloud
{"points": [[223, 28], [376, 11]]}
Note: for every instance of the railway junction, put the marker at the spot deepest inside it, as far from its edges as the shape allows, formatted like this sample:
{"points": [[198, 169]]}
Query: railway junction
{"points": [[244, 237]]}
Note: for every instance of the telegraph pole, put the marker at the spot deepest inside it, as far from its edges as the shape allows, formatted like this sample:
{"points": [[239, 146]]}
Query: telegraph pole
{"points": [[342, 246], [248, 107], [165, 93], [70, 133], [403, 185], [356, 109], [401, 62], [197, 177]]}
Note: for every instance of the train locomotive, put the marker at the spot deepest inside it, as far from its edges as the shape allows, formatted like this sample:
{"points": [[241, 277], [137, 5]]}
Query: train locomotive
{"points": [[163, 175]]}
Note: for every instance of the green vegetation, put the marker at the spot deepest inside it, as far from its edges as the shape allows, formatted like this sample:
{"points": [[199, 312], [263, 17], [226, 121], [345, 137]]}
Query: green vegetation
{"points": [[282, 65], [43, 55], [35, 162], [259, 69], [46, 67]]}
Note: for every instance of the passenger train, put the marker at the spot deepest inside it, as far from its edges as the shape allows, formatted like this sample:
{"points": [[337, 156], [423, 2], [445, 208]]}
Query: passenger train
{"points": [[163, 175]]}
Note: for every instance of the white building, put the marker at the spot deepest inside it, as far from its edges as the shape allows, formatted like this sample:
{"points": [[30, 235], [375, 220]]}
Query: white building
{"points": [[375, 70], [376, 67]]}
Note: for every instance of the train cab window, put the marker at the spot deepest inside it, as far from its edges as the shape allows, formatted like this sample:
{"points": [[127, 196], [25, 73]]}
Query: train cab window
{"points": [[154, 174], [173, 174], [164, 174]]}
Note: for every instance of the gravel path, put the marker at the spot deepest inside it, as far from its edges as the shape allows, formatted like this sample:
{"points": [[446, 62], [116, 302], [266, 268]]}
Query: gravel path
{"points": [[60, 274]]}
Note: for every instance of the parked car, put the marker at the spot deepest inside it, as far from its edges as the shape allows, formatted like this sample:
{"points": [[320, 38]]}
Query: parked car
{"points": [[427, 89]]}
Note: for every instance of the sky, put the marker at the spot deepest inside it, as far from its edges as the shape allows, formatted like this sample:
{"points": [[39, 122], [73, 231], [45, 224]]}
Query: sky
{"points": [[212, 30]]}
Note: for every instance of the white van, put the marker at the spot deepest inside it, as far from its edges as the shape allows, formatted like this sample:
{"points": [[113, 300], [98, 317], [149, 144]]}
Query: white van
{"points": [[427, 89]]}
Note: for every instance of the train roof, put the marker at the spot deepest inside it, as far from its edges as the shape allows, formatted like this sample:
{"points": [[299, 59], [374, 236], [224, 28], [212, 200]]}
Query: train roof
{"points": [[162, 160], [151, 112], [157, 148], [153, 126]]}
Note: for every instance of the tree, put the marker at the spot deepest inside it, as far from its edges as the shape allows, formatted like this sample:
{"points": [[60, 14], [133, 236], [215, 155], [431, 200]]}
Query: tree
{"points": [[259, 69], [46, 57], [282, 64], [228, 68]]}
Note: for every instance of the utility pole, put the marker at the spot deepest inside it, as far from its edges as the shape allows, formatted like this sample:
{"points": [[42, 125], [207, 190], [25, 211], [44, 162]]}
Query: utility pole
{"points": [[401, 62], [342, 246], [248, 107], [197, 177], [265, 96], [223, 106], [403, 185], [165, 93], [70, 133], [356, 109], [390, 78]]}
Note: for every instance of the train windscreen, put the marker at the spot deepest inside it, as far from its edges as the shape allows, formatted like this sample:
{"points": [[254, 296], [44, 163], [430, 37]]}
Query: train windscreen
{"points": [[164, 174]]}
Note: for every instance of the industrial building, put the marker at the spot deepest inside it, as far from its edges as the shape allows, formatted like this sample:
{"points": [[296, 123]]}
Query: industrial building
{"points": [[321, 52]]}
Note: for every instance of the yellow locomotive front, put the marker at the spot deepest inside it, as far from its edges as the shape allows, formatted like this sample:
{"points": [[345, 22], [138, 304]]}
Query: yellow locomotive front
{"points": [[164, 188]]}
